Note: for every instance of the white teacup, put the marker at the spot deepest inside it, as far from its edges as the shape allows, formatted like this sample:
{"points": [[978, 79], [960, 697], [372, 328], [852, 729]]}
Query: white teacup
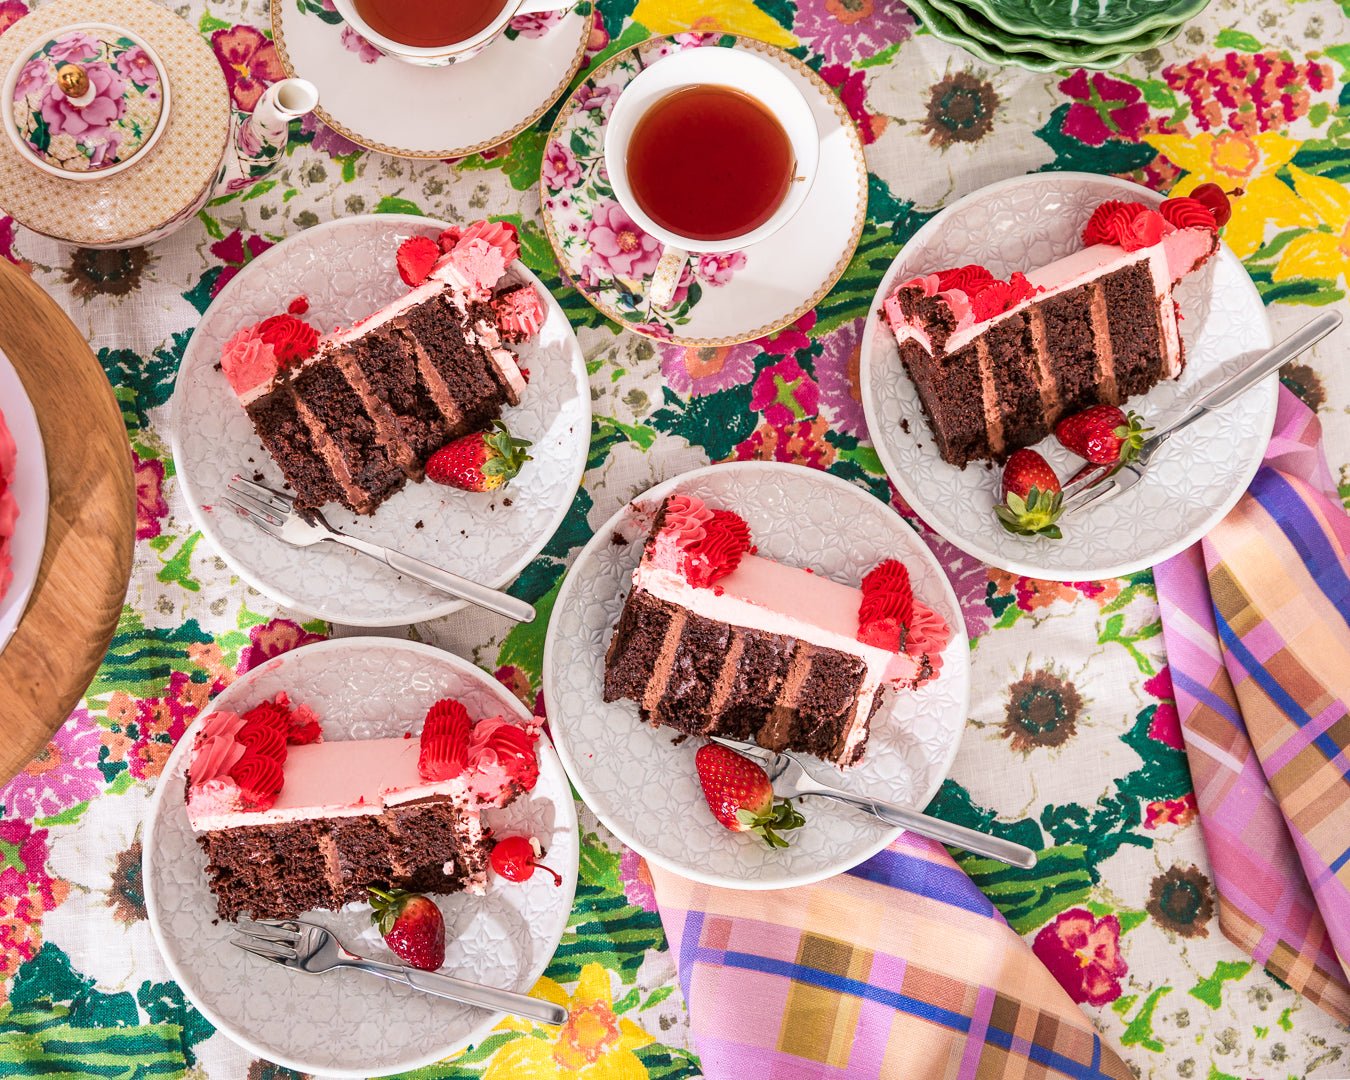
{"points": [[456, 51], [710, 66]]}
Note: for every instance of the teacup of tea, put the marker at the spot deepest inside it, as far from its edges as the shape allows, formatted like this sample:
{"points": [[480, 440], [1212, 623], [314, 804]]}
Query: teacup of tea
{"points": [[710, 150], [434, 33]]}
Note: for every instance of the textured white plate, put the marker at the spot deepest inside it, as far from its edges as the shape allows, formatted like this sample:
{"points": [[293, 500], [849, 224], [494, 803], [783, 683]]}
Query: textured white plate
{"points": [[444, 112], [30, 491], [1024, 223], [346, 269], [345, 1023], [644, 788]]}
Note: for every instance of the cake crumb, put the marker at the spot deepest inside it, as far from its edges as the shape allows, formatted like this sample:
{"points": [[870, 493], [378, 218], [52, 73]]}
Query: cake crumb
{"points": [[679, 739], [257, 478], [506, 502], [216, 366], [418, 524], [904, 425], [618, 538]]}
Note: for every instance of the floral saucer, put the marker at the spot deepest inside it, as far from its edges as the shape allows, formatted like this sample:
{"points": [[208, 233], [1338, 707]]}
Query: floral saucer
{"points": [[384, 104], [721, 299]]}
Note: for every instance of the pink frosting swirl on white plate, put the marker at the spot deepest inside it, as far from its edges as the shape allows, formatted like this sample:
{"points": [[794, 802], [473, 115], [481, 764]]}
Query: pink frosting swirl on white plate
{"points": [[928, 634], [496, 233], [519, 313], [686, 516], [249, 362], [491, 774], [216, 750]]}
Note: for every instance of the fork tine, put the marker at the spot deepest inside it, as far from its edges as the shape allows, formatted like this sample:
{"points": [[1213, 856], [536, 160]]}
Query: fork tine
{"points": [[741, 747], [268, 930], [255, 511], [280, 502], [272, 950]]}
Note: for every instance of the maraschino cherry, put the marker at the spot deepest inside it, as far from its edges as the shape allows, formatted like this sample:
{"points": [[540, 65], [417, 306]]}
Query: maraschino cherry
{"points": [[516, 859]]}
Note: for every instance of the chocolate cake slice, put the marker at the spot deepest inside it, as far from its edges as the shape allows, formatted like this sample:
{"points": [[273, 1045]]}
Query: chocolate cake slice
{"points": [[997, 363], [358, 416], [714, 639], [289, 824]]}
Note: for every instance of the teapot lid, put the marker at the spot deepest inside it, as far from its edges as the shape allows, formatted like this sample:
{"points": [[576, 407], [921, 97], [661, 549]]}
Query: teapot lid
{"points": [[86, 101]]}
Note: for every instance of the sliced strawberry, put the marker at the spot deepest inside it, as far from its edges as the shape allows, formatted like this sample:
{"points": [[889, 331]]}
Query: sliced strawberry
{"points": [[416, 256]]}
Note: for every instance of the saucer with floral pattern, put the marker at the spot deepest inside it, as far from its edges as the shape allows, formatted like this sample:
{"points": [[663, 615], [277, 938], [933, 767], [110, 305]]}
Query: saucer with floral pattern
{"points": [[398, 108], [721, 299]]}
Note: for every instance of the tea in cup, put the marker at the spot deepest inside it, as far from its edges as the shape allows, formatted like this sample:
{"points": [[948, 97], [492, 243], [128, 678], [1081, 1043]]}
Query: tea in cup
{"points": [[434, 33], [710, 150]]}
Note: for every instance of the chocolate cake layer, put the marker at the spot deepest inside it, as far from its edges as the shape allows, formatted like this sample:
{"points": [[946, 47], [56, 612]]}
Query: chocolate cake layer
{"points": [[701, 676], [355, 422], [1099, 343], [286, 869]]}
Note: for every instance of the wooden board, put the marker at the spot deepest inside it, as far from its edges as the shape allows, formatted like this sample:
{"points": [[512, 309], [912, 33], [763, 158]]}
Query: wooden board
{"points": [[91, 522]]}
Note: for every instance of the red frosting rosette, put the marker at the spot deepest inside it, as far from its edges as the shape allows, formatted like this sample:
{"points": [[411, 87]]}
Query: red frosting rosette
{"points": [[1128, 225], [887, 606], [444, 752], [1188, 213], [291, 339], [726, 538], [259, 779]]}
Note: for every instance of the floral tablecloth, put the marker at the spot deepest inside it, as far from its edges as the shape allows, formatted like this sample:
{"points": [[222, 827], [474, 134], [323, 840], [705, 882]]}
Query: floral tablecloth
{"points": [[1073, 745]]}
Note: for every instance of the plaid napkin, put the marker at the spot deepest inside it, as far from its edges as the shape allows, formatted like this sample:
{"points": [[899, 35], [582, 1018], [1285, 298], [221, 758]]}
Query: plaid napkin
{"points": [[899, 968], [1256, 619]]}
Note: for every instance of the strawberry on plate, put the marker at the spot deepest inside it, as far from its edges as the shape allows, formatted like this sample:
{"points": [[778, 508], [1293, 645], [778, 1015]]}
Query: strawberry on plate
{"points": [[1032, 501], [411, 926], [740, 796], [483, 461], [1103, 434]]}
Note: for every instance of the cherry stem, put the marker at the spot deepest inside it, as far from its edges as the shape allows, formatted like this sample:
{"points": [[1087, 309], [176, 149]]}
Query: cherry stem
{"points": [[557, 877]]}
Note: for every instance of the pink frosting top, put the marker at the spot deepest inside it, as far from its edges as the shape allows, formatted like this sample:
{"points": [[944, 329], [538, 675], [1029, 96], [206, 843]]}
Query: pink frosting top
{"points": [[928, 633], [248, 361], [496, 233], [493, 771], [9, 506], [479, 263], [519, 314]]}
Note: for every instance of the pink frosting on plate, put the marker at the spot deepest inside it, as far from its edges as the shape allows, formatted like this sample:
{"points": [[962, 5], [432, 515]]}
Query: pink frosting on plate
{"points": [[9, 506], [519, 313], [928, 633], [216, 750], [248, 361], [492, 775]]}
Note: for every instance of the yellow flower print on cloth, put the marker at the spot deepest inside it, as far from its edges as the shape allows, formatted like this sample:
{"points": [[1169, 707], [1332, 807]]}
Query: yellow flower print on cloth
{"points": [[1319, 254], [594, 1044], [726, 16], [1235, 160]]}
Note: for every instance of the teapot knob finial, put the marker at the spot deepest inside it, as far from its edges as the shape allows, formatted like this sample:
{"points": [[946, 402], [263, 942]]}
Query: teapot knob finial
{"points": [[73, 80]]}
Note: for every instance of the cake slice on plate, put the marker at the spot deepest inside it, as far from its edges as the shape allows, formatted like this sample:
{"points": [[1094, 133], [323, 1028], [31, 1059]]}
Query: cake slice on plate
{"points": [[352, 416], [997, 362], [290, 823], [714, 639]]}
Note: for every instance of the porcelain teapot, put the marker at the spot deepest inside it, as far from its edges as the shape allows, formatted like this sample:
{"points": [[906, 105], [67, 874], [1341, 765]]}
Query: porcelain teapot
{"points": [[115, 136]]}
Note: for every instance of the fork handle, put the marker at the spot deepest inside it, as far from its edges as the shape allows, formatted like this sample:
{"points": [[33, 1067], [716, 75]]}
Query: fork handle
{"points": [[492, 599], [467, 993], [922, 824]]}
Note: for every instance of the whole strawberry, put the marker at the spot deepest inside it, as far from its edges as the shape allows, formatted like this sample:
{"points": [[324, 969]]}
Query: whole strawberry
{"points": [[1103, 434], [1032, 501], [483, 461], [740, 796], [411, 925]]}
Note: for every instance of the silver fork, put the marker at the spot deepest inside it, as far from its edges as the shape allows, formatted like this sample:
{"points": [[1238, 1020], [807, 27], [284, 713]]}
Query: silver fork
{"points": [[791, 777], [1093, 485], [308, 947], [275, 512]]}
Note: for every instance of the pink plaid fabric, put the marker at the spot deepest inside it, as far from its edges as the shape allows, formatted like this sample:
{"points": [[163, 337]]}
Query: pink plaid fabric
{"points": [[1256, 619], [900, 968]]}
